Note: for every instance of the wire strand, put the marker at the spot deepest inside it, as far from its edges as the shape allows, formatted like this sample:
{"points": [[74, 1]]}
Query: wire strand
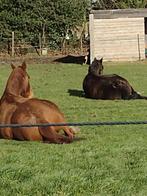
{"points": [[105, 123]]}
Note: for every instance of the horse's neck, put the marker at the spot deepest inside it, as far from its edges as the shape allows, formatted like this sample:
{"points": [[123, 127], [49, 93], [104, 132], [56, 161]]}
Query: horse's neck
{"points": [[11, 89], [93, 74], [103, 76], [6, 97], [2, 98], [11, 98]]}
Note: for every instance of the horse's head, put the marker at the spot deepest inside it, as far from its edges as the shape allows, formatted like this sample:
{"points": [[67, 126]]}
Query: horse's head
{"points": [[18, 82], [96, 68]]}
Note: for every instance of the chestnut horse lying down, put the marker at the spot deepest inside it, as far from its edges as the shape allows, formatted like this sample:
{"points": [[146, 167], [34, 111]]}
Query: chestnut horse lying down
{"points": [[16, 107], [98, 86]]}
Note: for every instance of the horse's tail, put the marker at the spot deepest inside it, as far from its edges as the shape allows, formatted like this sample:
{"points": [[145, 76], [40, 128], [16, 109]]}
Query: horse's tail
{"points": [[136, 95], [140, 96], [70, 131], [74, 129]]}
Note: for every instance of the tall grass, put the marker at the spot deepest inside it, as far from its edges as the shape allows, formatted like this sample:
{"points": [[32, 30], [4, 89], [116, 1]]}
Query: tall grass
{"points": [[110, 160]]}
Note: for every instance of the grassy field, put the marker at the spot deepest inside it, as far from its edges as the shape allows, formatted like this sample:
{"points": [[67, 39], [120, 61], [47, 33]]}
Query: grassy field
{"points": [[110, 160]]}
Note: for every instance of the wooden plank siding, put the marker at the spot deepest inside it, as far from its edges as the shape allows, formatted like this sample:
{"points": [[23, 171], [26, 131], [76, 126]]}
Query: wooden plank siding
{"points": [[117, 38], [118, 34]]}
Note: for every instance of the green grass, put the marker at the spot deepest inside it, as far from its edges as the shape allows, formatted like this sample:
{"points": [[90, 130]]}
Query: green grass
{"points": [[110, 160]]}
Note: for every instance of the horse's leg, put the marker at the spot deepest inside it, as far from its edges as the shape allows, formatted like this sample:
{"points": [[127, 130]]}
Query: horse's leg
{"points": [[123, 87], [127, 91], [22, 116], [6, 133], [50, 135], [27, 133]]}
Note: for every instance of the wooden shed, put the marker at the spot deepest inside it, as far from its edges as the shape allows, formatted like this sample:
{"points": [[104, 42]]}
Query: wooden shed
{"points": [[118, 34]]}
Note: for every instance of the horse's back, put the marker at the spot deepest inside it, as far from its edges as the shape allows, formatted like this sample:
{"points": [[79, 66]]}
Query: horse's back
{"points": [[106, 87], [113, 77], [36, 110], [105, 80]]}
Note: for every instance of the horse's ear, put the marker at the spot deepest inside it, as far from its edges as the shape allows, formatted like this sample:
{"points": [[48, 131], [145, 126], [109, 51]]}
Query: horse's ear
{"points": [[101, 60], [12, 66], [24, 65]]}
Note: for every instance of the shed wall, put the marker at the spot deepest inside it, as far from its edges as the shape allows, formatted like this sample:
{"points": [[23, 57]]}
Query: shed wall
{"points": [[117, 39]]}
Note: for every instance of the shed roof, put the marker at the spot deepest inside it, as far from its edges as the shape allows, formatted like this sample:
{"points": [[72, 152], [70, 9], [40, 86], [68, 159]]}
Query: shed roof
{"points": [[120, 13]]}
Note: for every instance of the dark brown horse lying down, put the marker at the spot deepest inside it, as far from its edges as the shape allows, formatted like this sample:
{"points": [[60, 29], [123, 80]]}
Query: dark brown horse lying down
{"points": [[98, 86], [16, 107]]}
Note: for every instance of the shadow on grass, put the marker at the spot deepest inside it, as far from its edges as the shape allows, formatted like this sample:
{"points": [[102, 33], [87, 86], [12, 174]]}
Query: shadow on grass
{"points": [[71, 59], [76, 139], [76, 93]]}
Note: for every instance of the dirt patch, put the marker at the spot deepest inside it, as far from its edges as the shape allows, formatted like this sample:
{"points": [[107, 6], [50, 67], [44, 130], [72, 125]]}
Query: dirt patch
{"points": [[29, 60], [78, 59]]}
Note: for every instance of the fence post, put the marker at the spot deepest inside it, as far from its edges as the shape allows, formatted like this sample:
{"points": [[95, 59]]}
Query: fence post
{"points": [[138, 40], [40, 45], [81, 44], [12, 44]]}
